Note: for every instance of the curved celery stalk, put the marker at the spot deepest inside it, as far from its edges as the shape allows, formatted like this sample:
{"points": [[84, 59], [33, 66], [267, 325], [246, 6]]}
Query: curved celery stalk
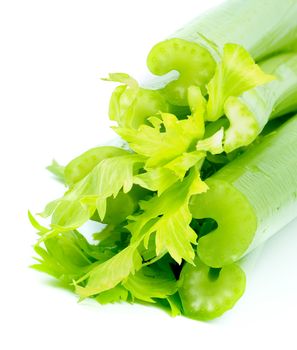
{"points": [[194, 63], [206, 293], [193, 50], [249, 113], [251, 198]]}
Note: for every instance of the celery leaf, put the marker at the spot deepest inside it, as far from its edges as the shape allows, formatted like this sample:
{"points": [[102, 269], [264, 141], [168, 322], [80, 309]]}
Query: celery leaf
{"points": [[236, 73], [151, 282], [58, 170], [89, 194], [130, 105], [108, 274], [166, 138], [168, 216]]}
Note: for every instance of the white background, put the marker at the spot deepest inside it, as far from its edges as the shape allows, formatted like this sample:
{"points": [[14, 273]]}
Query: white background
{"points": [[53, 105]]}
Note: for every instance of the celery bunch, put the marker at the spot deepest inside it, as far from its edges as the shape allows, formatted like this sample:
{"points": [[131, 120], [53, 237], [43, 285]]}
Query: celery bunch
{"points": [[199, 185]]}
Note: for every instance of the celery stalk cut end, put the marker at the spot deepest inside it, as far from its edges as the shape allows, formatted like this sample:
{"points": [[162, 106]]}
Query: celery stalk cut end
{"points": [[207, 293], [236, 221], [194, 63]]}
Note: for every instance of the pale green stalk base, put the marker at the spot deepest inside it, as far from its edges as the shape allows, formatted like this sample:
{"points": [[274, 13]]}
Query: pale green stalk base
{"points": [[261, 27]]}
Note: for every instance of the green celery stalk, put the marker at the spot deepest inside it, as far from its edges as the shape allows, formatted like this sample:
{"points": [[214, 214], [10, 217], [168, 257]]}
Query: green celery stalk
{"points": [[148, 198], [262, 27], [250, 112], [207, 293], [251, 198]]}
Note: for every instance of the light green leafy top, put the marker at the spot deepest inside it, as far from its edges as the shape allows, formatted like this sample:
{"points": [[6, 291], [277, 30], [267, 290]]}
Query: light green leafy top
{"points": [[236, 73], [90, 193]]}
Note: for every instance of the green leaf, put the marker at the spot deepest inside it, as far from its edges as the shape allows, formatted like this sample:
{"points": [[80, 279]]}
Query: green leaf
{"points": [[236, 73], [151, 282], [49, 208], [105, 180], [123, 100], [113, 295], [130, 105], [122, 78], [41, 229], [58, 170], [169, 217], [65, 256], [183, 163], [108, 274], [197, 104], [212, 144], [158, 179], [114, 239], [82, 165], [173, 234], [175, 305], [160, 147], [69, 214]]}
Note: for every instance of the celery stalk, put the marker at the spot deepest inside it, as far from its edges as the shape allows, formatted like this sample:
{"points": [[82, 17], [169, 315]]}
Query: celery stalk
{"points": [[261, 27], [206, 293], [249, 113], [194, 63], [214, 95], [251, 198]]}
